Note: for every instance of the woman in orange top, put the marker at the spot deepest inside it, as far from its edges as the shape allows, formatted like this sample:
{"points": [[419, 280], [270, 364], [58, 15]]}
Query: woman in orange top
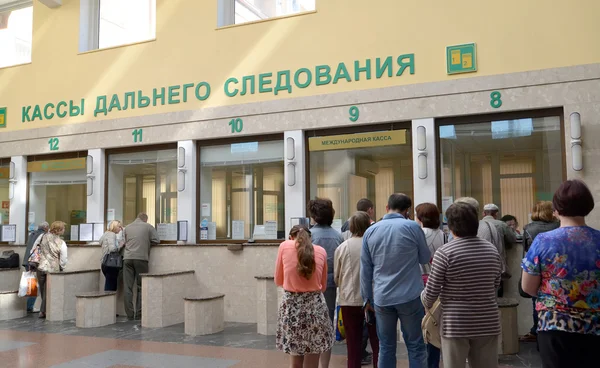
{"points": [[303, 329]]}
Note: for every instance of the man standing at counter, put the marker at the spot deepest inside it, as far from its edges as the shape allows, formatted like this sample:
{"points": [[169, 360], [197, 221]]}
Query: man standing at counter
{"points": [[139, 237]]}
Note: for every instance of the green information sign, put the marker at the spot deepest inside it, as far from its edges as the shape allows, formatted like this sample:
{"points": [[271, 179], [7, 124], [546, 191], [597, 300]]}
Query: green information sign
{"points": [[2, 117], [461, 58]]}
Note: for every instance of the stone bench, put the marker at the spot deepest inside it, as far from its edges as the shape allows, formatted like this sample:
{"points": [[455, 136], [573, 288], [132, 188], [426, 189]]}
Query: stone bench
{"points": [[204, 314], [62, 289], [508, 343], [11, 306], [162, 297], [10, 278], [96, 309], [266, 305]]}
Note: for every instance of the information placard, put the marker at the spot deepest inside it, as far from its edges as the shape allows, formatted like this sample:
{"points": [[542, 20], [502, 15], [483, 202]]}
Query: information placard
{"points": [[237, 232], [182, 230], [86, 232], [98, 231], [167, 232], [9, 233]]}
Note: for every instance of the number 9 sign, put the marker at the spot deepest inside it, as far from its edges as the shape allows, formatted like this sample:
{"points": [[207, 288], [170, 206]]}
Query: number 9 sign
{"points": [[354, 113]]}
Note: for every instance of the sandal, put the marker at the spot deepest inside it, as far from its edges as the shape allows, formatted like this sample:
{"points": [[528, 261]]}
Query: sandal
{"points": [[528, 338]]}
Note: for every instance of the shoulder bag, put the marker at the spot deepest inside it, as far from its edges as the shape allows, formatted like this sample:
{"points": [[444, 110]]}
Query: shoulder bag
{"points": [[34, 258], [113, 260], [431, 324]]}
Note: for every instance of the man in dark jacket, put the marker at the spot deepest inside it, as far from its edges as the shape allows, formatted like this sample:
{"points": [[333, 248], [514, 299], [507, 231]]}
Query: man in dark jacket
{"points": [[33, 236]]}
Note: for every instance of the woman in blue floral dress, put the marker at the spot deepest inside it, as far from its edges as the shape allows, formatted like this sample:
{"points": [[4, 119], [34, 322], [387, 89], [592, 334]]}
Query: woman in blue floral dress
{"points": [[562, 268]]}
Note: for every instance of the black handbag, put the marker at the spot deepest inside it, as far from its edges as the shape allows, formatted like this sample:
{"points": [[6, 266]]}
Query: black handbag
{"points": [[113, 260], [526, 237]]}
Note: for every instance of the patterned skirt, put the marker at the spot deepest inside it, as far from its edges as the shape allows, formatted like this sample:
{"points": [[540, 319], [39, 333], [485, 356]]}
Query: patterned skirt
{"points": [[304, 326]]}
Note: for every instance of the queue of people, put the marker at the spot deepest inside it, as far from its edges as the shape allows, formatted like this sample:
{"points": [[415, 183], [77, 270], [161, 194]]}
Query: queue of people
{"points": [[396, 269]]}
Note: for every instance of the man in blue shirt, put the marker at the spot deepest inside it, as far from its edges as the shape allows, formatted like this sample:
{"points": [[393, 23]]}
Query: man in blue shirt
{"points": [[391, 283]]}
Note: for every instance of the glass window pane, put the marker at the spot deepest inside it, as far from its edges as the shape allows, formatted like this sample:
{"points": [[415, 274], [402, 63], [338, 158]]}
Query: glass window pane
{"points": [[16, 30], [124, 22], [58, 196], [512, 163], [4, 201], [347, 175], [144, 182], [252, 10], [242, 191]]}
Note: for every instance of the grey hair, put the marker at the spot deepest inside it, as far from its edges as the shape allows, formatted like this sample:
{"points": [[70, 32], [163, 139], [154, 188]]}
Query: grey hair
{"points": [[469, 200], [44, 226]]}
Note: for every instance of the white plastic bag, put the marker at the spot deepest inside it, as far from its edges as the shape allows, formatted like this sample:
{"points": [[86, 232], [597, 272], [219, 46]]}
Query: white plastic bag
{"points": [[24, 285]]}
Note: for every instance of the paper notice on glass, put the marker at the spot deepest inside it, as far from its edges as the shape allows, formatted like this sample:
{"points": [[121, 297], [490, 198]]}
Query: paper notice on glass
{"points": [[337, 225], [167, 232], [74, 232], [212, 231], [86, 232], [9, 233], [259, 232], [31, 217], [110, 214], [98, 231], [238, 230], [205, 210], [271, 230]]}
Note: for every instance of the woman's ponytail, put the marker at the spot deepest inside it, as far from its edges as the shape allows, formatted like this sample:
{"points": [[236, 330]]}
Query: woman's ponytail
{"points": [[306, 254]]}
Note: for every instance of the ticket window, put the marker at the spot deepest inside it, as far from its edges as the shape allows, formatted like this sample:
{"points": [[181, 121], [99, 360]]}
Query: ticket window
{"points": [[4, 199], [242, 191], [57, 192], [346, 168], [512, 163], [144, 182]]}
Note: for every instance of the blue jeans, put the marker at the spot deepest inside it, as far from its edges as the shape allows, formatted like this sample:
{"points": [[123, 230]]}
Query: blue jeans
{"points": [[410, 315]]}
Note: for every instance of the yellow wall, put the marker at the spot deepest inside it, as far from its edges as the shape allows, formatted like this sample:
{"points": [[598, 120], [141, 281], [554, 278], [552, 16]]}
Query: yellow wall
{"points": [[511, 36]]}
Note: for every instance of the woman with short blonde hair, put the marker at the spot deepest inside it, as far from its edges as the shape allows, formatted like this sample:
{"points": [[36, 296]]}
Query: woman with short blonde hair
{"points": [[110, 244], [542, 220], [53, 258]]}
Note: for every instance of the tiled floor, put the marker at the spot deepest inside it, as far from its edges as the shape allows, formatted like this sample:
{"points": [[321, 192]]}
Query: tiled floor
{"points": [[30, 342]]}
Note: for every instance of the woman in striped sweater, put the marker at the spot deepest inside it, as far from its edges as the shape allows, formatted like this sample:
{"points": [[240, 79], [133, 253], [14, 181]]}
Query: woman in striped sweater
{"points": [[465, 276]]}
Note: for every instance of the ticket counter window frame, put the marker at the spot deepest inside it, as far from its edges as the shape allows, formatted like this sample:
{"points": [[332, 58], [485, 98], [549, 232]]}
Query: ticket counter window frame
{"points": [[4, 195], [345, 205], [255, 213], [73, 164], [500, 176], [165, 193]]}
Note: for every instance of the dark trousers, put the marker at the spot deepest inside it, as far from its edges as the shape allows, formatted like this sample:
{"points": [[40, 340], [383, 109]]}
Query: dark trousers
{"points": [[560, 349], [533, 330], [132, 268], [41, 277], [354, 320], [433, 356], [111, 276]]}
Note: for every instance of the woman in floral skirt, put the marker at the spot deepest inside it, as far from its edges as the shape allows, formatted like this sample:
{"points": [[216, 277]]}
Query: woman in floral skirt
{"points": [[304, 330]]}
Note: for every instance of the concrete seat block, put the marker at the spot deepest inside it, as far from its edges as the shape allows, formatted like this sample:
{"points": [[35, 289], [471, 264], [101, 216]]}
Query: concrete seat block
{"points": [[204, 316], [11, 306], [96, 309]]}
